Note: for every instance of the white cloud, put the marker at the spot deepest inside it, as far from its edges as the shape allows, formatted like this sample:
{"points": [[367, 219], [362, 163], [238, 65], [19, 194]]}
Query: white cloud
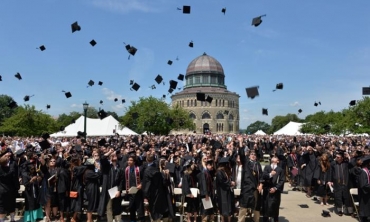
{"points": [[295, 104], [74, 105], [125, 6], [111, 95]]}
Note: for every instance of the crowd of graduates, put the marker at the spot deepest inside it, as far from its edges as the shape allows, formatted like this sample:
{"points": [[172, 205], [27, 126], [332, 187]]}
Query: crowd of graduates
{"points": [[77, 178]]}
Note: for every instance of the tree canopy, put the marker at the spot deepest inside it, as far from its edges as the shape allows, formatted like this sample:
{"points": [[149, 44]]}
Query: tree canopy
{"points": [[258, 125]]}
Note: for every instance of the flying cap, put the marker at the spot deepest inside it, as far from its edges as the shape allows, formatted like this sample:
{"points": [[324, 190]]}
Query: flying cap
{"points": [[173, 84], [209, 99], [279, 86], [26, 98], [115, 99], [62, 128], [352, 103], [223, 10], [42, 48], [180, 77], [67, 94], [131, 50], [48, 106], [201, 97], [158, 79], [102, 114], [164, 96], [300, 110], [265, 112], [252, 92], [257, 20], [169, 62], [101, 101], [186, 9], [93, 42], [18, 76], [123, 100], [91, 83], [1, 78], [135, 87], [75, 27], [191, 44], [100, 83], [226, 112], [170, 90]]}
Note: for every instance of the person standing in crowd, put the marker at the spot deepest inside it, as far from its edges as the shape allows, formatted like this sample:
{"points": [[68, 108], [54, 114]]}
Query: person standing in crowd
{"points": [[322, 176], [9, 184], [168, 187], [339, 181], [91, 180], [292, 162], [51, 194], [206, 190], [273, 186], [133, 177], [63, 186], [364, 190], [189, 181], [112, 176], [77, 186], [309, 164], [224, 186]]}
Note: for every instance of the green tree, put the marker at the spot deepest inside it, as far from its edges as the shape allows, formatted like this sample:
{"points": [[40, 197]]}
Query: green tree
{"points": [[27, 121], [5, 111], [359, 116], [280, 121], [154, 116], [113, 114], [92, 112], [65, 120], [258, 125], [180, 119]]}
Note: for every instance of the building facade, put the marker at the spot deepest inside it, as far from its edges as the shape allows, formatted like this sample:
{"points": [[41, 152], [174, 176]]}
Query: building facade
{"points": [[206, 75]]}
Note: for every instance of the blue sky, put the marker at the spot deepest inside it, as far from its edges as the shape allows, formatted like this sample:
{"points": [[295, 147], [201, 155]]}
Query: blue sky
{"points": [[320, 50]]}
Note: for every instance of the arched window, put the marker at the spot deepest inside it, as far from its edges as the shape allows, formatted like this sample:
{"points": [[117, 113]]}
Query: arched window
{"points": [[206, 116], [192, 116], [231, 117], [220, 116]]}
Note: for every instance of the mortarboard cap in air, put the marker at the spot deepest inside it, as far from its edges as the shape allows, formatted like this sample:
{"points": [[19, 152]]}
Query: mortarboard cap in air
{"points": [[18, 76], [102, 114], [44, 145], [75, 27], [62, 128], [100, 83], [352, 103], [164, 96], [315, 104], [170, 90], [186, 9], [279, 86], [101, 101], [265, 112], [201, 97], [158, 79], [123, 100], [223, 10], [135, 87], [135, 115], [191, 44], [257, 20], [180, 77], [115, 100], [67, 94], [209, 99], [26, 98], [93, 42], [45, 136], [1, 78], [226, 112], [300, 110], [42, 48], [73, 121], [173, 84], [48, 106], [91, 83], [131, 50], [102, 142], [169, 62], [204, 140], [252, 92]]}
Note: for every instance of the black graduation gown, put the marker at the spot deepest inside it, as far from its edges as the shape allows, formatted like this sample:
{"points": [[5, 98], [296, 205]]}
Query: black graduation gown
{"points": [[341, 188], [249, 182], [169, 186], [77, 185], [271, 201], [190, 181], [206, 187], [225, 198], [9, 186], [109, 181], [92, 180], [153, 190], [31, 192], [364, 194], [324, 177], [311, 164], [63, 186]]}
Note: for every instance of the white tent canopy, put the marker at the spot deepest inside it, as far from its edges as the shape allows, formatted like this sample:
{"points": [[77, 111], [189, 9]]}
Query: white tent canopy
{"points": [[260, 132], [291, 129], [94, 127]]}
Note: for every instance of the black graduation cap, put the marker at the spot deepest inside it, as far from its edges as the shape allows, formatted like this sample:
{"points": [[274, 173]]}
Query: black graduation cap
{"points": [[201, 97], [226, 112], [300, 110], [325, 213], [102, 114], [204, 140], [217, 145], [62, 128], [135, 115], [224, 160], [265, 112], [100, 83], [352, 103], [101, 101], [169, 120], [102, 142], [180, 77], [42, 48], [279, 86], [123, 100], [48, 106], [209, 99], [131, 82], [91, 83], [303, 205], [164, 96], [131, 50], [45, 136], [18, 76], [1, 78], [153, 87], [67, 94], [365, 160], [26, 98], [158, 79], [115, 100], [44, 144], [252, 92], [223, 10], [186, 9], [173, 84], [135, 87], [327, 127], [169, 62], [93, 42], [257, 20], [170, 167], [75, 27], [191, 44], [12, 104], [170, 90]]}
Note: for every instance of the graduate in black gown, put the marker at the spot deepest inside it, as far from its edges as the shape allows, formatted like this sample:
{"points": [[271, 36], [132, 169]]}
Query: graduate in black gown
{"points": [[77, 186], [364, 190], [224, 186], [92, 183], [273, 186], [207, 190], [189, 181], [63, 186], [322, 176]]}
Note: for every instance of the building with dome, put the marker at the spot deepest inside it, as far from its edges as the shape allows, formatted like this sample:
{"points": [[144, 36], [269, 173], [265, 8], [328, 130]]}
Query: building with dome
{"points": [[206, 75]]}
